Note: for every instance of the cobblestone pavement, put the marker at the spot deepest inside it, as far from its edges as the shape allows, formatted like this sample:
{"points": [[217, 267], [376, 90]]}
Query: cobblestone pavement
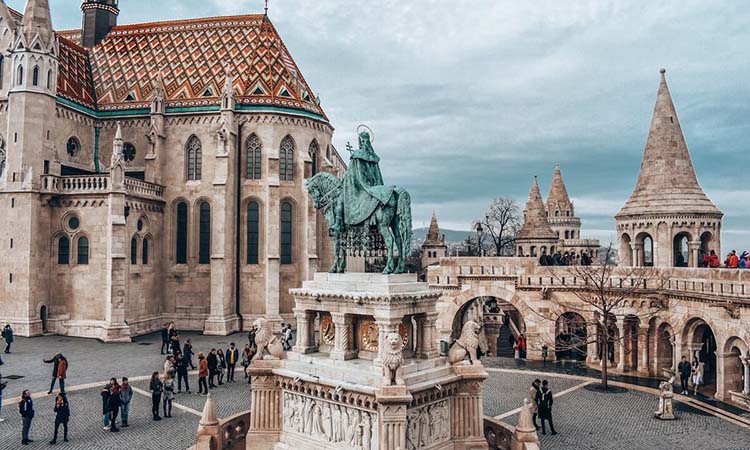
{"points": [[505, 391], [589, 420]]}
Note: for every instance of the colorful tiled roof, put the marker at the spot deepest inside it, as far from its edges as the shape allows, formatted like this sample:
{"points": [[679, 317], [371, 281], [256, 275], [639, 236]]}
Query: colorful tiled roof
{"points": [[193, 57], [74, 80]]}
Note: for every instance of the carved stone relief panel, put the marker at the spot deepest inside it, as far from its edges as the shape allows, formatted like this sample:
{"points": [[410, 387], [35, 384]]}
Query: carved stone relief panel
{"points": [[428, 425]]}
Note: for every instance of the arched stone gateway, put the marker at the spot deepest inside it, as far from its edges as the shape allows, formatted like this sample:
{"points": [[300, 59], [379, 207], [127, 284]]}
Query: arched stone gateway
{"points": [[571, 337], [699, 343]]}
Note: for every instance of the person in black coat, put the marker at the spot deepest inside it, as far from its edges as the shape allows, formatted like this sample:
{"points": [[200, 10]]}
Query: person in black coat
{"points": [[105, 394], [8, 336], [544, 402], [114, 405], [213, 367], [164, 338], [62, 415], [26, 409], [187, 351], [181, 366], [156, 387]]}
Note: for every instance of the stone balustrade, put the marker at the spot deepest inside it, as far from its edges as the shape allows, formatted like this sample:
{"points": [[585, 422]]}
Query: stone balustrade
{"points": [[98, 184], [231, 436], [723, 284]]}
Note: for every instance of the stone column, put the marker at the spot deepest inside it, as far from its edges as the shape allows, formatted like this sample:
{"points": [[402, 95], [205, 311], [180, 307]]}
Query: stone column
{"points": [[694, 253], [342, 344], [427, 336], [637, 248], [643, 348], [467, 420], [266, 412], [621, 344], [305, 331], [693, 348], [385, 327], [592, 352], [392, 404], [745, 358]]}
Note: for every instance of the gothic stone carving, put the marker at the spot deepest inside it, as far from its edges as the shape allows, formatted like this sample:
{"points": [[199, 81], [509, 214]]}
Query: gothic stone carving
{"points": [[392, 360], [340, 426], [265, 340], [466, 345], [428, 425]]}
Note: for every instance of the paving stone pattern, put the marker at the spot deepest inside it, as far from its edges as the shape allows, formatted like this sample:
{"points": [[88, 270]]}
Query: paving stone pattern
{"points": [[505, 392], [588, 420]]}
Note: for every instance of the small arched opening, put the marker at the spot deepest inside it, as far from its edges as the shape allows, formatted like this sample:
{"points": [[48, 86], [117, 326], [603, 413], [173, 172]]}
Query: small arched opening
{"points": [[570, 337], [43, 317], [680, 250]]}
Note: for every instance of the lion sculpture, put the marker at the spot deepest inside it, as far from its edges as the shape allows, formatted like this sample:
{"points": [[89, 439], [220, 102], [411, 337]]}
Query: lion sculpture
{"points": [[266, 341], [466, 345], [392, 360]]}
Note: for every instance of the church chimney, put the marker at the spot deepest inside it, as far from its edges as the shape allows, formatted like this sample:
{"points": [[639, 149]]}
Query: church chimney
{"points": [[99, 16]]}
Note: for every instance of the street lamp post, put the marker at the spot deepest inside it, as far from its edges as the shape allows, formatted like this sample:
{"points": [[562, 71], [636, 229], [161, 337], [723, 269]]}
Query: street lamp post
{"points": [[480, 232]]}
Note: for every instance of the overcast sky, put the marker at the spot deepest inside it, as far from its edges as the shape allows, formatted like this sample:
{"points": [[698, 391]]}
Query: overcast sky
{"points": [[470, 99]]}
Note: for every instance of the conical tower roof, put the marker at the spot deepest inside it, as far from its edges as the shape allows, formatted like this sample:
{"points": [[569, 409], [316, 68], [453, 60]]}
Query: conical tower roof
{"points": [[535, 224], [37, 19], [433, 233], [558, 194], [667, 183]]}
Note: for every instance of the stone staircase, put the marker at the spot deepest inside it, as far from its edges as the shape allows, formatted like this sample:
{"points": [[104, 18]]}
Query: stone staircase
{"points": [[504, 347]]}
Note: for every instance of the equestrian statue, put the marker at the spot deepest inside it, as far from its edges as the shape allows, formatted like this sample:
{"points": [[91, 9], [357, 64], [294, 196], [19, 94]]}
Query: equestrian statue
{"points": [[360, 205]]}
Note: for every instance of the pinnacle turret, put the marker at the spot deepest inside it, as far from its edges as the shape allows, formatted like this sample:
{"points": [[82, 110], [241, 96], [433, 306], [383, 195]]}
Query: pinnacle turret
{"points": [[37, 19], [535, 224], [557, 198]]}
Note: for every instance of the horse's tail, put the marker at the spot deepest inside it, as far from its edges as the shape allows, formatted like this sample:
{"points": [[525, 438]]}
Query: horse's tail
{"points": [[403, 212]]}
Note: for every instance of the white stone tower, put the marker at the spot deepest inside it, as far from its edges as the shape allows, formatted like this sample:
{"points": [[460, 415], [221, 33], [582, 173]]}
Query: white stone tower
{"points": [[536, 238], [668, 220], [433, 247]]}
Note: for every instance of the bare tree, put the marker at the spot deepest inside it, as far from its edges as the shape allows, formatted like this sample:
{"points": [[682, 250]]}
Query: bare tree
{"points": [[605, 293], [502, 223]]}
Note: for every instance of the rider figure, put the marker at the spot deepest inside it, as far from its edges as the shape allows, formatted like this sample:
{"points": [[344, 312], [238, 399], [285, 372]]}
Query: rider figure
{"points": [[363, 183]]}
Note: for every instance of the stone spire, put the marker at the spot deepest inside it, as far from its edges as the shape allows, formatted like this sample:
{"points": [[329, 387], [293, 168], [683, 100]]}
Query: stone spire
{"points": [[667, 181], [535, 224], [7, 19], [37, 19], [433, 234], [557, 198]]}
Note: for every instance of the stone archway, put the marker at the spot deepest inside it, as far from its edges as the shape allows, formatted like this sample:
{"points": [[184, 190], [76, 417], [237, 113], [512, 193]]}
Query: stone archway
{"points": [[43, 317], [699, 342], [734, 372], [571, 337], [664, 340], [681, 250]]}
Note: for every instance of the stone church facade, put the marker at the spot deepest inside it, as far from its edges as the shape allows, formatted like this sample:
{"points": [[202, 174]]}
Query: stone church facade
{"points": [[154, 172]]}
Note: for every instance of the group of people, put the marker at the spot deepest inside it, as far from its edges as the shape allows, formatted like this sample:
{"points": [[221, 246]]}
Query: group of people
{"points": [[542, 398], [519, 346], [27, 412], [116, 398], [569, 258], [732, 261], [690, 373]]}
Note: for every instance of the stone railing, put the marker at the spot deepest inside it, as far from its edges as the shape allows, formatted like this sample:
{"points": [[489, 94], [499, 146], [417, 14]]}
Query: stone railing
{"points": [[138, 188], [78, 184], [98, 184], [498, 434], [503, 436]]}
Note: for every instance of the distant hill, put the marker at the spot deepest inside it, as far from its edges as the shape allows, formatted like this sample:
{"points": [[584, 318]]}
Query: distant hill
{"points": [[451, 236]]}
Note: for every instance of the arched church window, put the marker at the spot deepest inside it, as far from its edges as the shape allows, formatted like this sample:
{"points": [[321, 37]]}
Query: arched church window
{"points": [[63, 250], [19, 75], [35, 76], [83, 250], [134, 250], [204, 234], [313, 151], [49, 79], [286, 159], [567, 234], [144, 251], [181, 233], [2, 66], [2, 150], [253, 232], [194, 158], [72, 147], [253, 157], [286, 233], [128, 152], [557, 213]]}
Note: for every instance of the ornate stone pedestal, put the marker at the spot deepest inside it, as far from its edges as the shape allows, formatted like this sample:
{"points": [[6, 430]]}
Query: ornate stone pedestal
{"points": [[336, 389]]}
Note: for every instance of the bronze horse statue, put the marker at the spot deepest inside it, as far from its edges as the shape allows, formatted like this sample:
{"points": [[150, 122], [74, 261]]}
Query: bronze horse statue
{"points": [[391, 218]]}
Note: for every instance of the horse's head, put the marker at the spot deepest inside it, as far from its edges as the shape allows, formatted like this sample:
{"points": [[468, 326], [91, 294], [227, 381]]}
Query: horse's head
{"points": [[322, 188]]}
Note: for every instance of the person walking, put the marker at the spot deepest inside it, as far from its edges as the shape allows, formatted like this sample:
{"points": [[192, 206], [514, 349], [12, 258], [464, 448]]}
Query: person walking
{"points": [[697, 371], [202, 374], [685, 370], [176, 343], [105, 394], [114, 404], [522, 346], [62, 415], [26, 409], [156, 387], [221, 366], [187, 352], [168, 394], [533, 392], [181, 366], [169, 365], [126, 395], [213, 366], [8, 336], [59, 371], [246, 357], [164, 338], [3, 384], [544, 402], [232, 356]]}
